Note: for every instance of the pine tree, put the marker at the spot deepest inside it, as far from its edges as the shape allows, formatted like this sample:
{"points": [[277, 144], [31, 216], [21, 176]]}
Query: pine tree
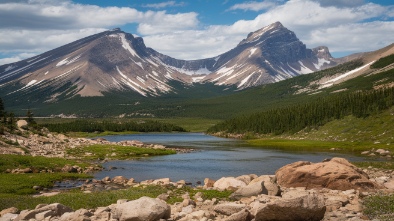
{"points": [[2, 112], [30, 120], [11, 121]]}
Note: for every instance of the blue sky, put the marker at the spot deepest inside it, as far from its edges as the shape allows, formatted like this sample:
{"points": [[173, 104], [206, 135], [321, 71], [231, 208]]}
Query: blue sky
{"points": [[193, 29]]}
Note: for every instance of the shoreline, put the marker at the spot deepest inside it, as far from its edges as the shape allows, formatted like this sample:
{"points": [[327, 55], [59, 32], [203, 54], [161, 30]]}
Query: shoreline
{"points": [[245, 194]]}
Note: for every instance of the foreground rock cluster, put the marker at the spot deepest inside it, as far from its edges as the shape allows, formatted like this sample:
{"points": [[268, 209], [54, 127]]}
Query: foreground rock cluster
{"points": [[330, 190]]}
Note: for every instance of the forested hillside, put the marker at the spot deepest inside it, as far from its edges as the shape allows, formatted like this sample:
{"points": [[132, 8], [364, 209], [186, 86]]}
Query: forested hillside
{"points": [[360, 97], [312, 114], [101, 126]]}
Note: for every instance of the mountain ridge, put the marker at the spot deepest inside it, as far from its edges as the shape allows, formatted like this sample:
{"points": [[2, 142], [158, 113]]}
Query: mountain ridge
{"points": [[120, 61]]}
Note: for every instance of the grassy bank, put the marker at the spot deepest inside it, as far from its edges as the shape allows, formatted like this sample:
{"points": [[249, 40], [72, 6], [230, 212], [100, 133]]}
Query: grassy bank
{"points": [[76, 199], [98, 134], [189, 124], [20, 184], [98, 151], [314, 145]]}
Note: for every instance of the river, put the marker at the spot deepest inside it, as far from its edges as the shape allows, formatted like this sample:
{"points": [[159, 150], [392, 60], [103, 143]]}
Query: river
{"points": [[215, 158]]}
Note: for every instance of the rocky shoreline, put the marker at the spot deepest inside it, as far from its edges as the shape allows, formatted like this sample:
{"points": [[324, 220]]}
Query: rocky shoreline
{"points": [[55, 145], [332, 190]]}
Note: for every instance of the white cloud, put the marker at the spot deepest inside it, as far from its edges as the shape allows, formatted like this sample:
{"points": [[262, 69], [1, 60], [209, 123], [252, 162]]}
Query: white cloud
{"points": [[164, 4], [253, 6], [160, 22], [36, 28], [38, 41], [342, 29]]}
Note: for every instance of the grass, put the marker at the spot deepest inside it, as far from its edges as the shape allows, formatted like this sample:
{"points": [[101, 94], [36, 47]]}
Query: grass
{"points": [[387, 165], [98, 151], [36, 163], [350, 134], [188, 123], [192, 124], [76, 199], [379, 207], [311, 145], [21, 184], [91, 135]]}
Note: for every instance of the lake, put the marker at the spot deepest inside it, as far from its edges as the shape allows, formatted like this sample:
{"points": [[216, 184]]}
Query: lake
{"points": [[214, 158]]}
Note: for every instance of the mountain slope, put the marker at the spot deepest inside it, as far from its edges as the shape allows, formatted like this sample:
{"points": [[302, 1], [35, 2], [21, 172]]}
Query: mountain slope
{"points": [[114, 74], [117, 61]]}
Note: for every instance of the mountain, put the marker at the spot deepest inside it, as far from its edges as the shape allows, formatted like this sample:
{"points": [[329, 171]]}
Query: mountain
{"points": [[114, 72], [114, 60]]}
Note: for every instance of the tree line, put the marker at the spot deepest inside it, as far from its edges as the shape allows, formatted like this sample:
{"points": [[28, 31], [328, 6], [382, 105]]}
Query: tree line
{"points": [[312, 114], [7, 120], [101, 126]]}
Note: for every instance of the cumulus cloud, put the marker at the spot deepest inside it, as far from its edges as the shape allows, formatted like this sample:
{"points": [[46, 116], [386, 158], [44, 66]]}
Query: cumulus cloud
{"points": [[342, 29], [253, 6], [35, 26], [164, 4], [38, 41], [35, 15]]}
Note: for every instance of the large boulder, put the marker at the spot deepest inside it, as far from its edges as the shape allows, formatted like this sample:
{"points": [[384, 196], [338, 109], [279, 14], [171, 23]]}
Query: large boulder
{"points": [[226, 183], [261, 185], [307, 207], [337, 174], [143, 209], [229, 208], [55, 209], [121, 180]]}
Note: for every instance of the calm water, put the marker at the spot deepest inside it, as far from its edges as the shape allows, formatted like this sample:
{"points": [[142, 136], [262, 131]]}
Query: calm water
{"points": [[215, 158]]}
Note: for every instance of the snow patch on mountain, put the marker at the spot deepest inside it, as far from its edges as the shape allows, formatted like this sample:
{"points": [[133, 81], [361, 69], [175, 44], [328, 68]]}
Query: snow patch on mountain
{"points": [[197, 79], [245, 80], [28, 85], [303, 69], [128, 82], [20, 69], [252, 51], [68, 72], [126, 45], [67, 62], [332, 81], [201, 71], [321, 62], [9, 68]]}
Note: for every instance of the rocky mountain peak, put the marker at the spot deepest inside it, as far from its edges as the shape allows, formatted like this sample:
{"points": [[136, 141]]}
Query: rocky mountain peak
{"points": [[322, 52], [116, 61]]}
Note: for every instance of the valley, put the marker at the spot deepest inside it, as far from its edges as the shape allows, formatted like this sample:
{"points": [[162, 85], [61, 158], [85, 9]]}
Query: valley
{"points": [[277, 100]]}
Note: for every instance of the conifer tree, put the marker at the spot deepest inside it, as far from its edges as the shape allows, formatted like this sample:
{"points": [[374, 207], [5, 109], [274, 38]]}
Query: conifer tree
{"points": [[30, 120], [2, 112]]}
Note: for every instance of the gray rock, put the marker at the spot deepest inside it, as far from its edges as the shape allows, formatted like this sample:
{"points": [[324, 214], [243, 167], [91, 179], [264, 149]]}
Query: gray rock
{"points": [[143, 209], [9, 210], [57, 208], [8, 217], [226, 183], [229, 208], [242, 215], [308, 207], [261, 185], [79, 215]]}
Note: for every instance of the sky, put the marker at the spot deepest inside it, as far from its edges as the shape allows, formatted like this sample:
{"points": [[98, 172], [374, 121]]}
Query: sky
{"points": [[193, 29]]}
